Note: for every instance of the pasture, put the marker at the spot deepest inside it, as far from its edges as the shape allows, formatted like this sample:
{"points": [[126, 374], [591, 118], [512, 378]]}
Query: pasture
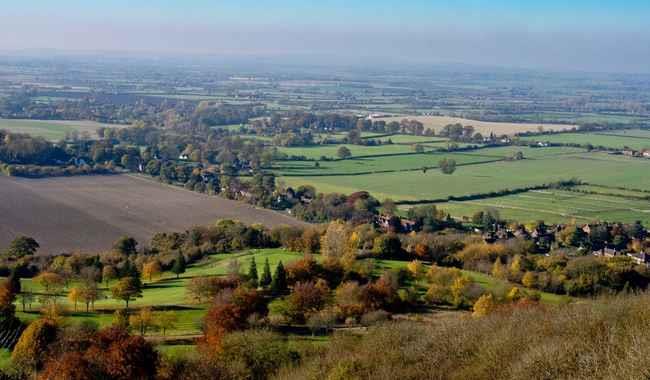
{"points": [[633, 139], [484, 127], [554, 206], [543, 166], [89, 213], [53, 130]]}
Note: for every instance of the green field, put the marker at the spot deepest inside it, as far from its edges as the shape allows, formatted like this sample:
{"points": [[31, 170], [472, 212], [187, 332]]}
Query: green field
{"points": [[53, 130], [543, 166], [634, 139], [376, 164], [317, 151], [556, 207], [165, 292]]}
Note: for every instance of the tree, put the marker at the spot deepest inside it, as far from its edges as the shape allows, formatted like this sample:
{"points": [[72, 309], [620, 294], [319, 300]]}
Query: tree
{"points": [[343, 152], [166, 320], [306, 298], [127, 289], [416, 268], [108, 273], [266, 274], [279, 282], [126, 245], [142, 320], [51, 283], [387, 246], [30, 351], [151, 269], [447, 166], [179, 265], [22, 246], [252, 273], [89, 293], [26, 298], [7, 298], [529, 280], [484, 305], [333, 242], [74, 295], [498, 270]]}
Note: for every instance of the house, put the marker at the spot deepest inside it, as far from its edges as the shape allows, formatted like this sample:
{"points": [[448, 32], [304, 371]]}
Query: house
{"points": [[640, 258], [631, 153], [646, 153], [607, 252], [542, 144]]}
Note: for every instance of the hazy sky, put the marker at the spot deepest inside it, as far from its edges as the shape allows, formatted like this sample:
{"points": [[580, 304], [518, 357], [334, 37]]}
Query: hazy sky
{"points": [[603, 35]]}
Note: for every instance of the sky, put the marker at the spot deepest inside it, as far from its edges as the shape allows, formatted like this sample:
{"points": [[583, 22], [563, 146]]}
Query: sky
{"points": [[576, 35]]}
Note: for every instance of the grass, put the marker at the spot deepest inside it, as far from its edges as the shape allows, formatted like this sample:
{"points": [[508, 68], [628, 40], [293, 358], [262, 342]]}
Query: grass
{"points": [[53, 130], [317, 151], [5, 358], [544, 167], [377, 164], [167, 292], [634, 139], [557, 206]]}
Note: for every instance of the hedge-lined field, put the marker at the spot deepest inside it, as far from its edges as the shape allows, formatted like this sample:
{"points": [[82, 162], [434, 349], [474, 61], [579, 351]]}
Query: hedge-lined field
{"points": [[543, 168], [634, 139], [556, 206]]}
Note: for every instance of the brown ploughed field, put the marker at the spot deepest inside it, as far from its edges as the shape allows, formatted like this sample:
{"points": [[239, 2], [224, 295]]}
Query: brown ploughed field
{"points": [[87, 214]]}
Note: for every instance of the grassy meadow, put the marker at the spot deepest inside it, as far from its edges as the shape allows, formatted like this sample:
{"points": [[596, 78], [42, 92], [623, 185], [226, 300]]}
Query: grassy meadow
{"points": [[634, 139], [545, 166]]}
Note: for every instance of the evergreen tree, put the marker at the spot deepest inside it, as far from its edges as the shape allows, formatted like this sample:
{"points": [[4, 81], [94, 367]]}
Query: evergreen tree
{"points": [[266, 274], [179, 265], [252, 273], [279, 283]]}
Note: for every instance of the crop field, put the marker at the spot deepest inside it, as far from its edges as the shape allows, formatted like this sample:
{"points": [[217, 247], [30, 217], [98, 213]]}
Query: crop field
{"points": [[90, 213], [556, 206], [544, 165], [485, 128], [636, 139], [53, 130]]}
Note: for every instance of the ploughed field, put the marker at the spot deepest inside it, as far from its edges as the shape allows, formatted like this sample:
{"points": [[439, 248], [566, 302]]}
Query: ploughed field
{"points": [[89, 213]]}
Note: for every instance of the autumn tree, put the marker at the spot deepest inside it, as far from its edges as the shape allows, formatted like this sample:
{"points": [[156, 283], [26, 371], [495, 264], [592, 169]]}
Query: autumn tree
{"points": [[484, 305], [127, 289], [334, 242], [306, 298], [529, 280], [498, 270], [108, 273], [52, 285], [166, 320], [74, 296], [151, 269], [343, 152], [142, 320], [89, 294], [31, 349]]}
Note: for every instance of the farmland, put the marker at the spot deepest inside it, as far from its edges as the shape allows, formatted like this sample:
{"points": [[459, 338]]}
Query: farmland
{"points": [[550, 165], [498, 128], [90, 213], [52, 130], [634, 139], [556, 207]]}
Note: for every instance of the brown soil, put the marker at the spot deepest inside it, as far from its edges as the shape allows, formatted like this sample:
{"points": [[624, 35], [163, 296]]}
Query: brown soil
{"points": [[89, 213]]}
